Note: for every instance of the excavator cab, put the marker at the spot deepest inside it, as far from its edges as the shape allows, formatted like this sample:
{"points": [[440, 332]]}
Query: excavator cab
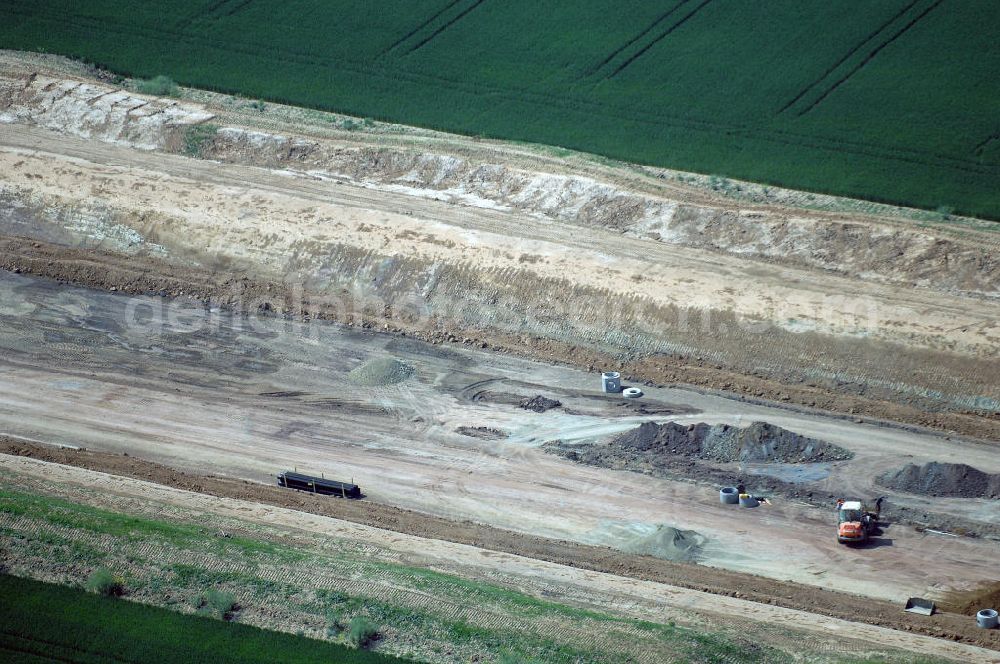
{"points": [[853, 522]]}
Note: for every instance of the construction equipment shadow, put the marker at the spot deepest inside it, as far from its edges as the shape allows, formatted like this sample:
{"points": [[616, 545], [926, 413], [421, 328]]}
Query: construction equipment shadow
{"points": [[876, 542]]}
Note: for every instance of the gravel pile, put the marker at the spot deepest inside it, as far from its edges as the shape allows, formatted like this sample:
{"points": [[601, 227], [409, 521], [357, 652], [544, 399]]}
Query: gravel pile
{"points": [[380, 372], [539, 404], [758, 442], [953, 480], [486, 433], [668, 543]]}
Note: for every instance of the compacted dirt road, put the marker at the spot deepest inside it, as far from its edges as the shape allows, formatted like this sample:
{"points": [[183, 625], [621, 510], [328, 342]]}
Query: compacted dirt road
{"points": [[248, 398]]}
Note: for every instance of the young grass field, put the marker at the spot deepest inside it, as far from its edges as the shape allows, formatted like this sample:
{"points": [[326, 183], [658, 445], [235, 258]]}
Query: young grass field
{"points": [[42, 622], [892, 101]]}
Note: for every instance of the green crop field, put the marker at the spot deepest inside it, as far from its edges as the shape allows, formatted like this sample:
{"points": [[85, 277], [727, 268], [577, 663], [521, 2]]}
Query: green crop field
{"points": [[40, 622], [894, 100]]}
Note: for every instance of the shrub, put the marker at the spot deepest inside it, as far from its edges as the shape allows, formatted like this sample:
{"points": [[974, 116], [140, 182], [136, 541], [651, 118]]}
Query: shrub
{"points": [[102, 582], [196, 136], [159, 85], [218, 604], [719, 183], [361, 632], [334, 626]]}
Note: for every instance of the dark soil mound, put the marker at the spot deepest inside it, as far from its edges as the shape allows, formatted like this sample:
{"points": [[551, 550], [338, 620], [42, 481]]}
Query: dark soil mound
{"points": [[540, 404], [670, 437], [954, 480], [760, 441]]}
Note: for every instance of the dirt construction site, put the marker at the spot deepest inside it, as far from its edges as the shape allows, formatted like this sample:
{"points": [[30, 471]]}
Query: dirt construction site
{"points": [[198, 293]]}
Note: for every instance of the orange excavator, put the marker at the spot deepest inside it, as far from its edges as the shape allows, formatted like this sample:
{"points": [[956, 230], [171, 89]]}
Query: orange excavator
{"points": [[855, 522]]}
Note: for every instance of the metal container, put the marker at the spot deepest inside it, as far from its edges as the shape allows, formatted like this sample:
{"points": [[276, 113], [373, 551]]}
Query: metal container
{"points": [[611, 382], [987, 619], [728, 495]]}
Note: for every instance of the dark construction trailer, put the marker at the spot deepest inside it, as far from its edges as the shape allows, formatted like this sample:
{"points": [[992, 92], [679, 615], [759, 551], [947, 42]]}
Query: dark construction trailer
{"points": [[320, 485]]}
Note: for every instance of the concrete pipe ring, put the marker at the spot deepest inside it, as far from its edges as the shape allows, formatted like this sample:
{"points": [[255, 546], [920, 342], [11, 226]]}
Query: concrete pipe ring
{"points": [[631, 393], [987, 619], [728, 495], [746, 500], [611, 382]]}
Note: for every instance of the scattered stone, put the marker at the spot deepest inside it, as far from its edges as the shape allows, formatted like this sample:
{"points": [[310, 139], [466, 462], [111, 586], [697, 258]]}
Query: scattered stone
{"points": [[540, 404], [485, 433]]}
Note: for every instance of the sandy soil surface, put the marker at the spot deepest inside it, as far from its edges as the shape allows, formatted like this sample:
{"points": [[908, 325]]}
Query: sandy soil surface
{"points": [[642, 599], [496, 254], [433, 264], [251, 397], [261, 217], [559, 258]]}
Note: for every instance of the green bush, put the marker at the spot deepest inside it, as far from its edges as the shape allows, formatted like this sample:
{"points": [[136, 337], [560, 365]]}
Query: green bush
{"points": [[334, 626], [361, 632], [102, 582], [945, 212], [196, 136], [218, 604], [161, 86]]}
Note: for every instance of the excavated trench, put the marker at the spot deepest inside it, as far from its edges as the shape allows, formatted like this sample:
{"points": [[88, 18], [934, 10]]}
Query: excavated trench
{"points": [[890, 254]]}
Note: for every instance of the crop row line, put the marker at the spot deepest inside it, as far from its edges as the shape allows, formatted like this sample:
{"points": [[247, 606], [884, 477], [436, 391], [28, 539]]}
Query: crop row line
{"points": [[870, 57], [981, 146], [215, 10], [366, 69], [420, 26], [857, 47], [67, 648], [906, 155], [658, 39], [639, 36], [447, 25]]}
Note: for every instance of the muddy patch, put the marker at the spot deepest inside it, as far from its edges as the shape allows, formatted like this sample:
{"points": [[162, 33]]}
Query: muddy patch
{"points": [[792, 473], [953, 480]]}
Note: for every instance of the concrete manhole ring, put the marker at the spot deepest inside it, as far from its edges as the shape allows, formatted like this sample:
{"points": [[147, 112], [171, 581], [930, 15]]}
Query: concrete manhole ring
{"points": [[631, 393]]}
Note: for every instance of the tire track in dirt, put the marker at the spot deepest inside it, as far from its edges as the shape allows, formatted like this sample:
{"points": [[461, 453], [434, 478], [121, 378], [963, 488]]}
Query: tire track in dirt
{"points": [[663, 35], [847, 55], [871, 56]]}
